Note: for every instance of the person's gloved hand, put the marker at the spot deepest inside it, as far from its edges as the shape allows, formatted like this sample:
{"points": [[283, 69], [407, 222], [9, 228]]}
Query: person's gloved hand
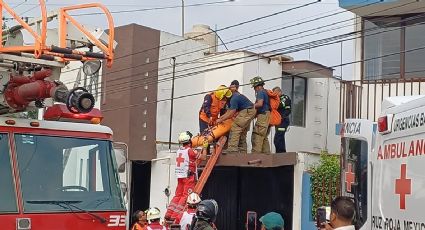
{"points": [[205, 143]]}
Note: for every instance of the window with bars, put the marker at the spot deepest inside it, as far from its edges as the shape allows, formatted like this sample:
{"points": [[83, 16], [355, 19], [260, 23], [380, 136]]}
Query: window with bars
{"points": [[393, 47], [296, 89]]}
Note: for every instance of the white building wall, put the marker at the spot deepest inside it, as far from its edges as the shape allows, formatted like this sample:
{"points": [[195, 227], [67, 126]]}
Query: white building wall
{"points": [[305, 162], [333, 103], [163, 178], [185, 115], [321, 116]]}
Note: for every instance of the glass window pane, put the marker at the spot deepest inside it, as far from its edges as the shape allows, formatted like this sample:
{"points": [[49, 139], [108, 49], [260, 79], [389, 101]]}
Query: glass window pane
{"points": [[382, 37], [299, 102], [287, 86], [415, 59], [58, 170], [7, 186]]}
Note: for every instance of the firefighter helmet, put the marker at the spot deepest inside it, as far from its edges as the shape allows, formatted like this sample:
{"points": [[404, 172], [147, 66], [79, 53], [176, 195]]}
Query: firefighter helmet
{"points": [[207, 210], [222, 91], [193, 199], [185, 137], [153, 214], [256, 81]]}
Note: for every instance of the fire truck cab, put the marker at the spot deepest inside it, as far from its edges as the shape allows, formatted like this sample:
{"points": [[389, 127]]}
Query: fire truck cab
{"points": [[58, 175]]}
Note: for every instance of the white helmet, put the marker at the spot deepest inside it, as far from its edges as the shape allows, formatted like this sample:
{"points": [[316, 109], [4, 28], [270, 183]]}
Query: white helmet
{"points": [[193, 199], [185, 137], [153, 213]]}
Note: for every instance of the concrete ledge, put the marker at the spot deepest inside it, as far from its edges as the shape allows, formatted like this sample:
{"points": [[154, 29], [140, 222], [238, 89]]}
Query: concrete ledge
{"points": [[307, 69], [258, 160]]}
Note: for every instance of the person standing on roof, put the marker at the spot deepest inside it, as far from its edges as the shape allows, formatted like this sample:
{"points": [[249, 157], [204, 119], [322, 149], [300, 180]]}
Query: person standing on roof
{"points": [[206, 214], [154, 218], [243, 109], [192, 203], [213, 104], [186, 173], [259, 139], [284, 110]]}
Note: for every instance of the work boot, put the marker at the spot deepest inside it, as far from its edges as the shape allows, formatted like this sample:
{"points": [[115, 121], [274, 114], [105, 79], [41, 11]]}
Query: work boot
{"points": [[227, 151]]}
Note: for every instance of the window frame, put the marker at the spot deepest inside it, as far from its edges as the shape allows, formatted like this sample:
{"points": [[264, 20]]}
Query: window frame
{"points": [[12, 173], [110, 160], [292, 97], [402, 74]]}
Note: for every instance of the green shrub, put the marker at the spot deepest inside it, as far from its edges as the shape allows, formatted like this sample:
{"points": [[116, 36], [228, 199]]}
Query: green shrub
{"points": [[325, 180]]}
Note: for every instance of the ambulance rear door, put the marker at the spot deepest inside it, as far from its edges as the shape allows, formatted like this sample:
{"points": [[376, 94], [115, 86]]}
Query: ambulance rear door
{"points": [[357, 145], [398, 197]]}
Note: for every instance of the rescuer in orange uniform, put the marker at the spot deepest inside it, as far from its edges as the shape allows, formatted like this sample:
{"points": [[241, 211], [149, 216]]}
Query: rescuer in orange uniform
{"points": [[186, 173], [213, 104]]}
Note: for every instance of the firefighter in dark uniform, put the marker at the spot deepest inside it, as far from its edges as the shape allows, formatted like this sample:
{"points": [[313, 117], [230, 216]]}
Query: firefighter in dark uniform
{"points": [[284, 110]]}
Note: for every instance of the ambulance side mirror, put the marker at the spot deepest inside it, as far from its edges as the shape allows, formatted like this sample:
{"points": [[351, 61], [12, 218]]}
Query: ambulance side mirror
{"points": [[124, 188], [120, 150]]}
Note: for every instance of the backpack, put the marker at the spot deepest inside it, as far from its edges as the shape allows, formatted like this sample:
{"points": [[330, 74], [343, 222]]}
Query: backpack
{"points": [[274, 100]]}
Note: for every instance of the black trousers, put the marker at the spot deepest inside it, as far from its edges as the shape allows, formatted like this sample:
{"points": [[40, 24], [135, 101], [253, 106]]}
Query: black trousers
{"points": [[279, 137], [202, 125]]}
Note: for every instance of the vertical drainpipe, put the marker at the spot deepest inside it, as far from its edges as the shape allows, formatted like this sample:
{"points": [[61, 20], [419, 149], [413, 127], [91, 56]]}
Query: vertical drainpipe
{"points": [[172, 103]]}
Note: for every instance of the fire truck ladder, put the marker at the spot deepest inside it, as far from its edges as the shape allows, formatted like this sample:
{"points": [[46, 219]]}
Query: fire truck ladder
{"points": [[210, 165], [60, 52]]}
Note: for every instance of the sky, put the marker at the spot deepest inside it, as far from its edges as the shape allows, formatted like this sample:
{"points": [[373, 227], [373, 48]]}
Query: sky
{"points": [[229, 13]]}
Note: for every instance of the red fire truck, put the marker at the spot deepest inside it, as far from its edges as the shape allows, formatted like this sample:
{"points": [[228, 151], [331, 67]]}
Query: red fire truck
{"points": [[60, 172]]}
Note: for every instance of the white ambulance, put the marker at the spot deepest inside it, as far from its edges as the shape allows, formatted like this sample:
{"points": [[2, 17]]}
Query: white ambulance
{"points": [[386, 174]]}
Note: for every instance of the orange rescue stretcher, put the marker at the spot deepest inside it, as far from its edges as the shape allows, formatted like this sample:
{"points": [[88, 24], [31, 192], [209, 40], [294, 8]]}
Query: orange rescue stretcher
{"points": [[212, 133]]}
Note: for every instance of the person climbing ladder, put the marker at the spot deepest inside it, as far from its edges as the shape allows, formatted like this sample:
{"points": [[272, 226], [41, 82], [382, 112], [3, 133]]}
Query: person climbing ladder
{"points": [[186, 173]]}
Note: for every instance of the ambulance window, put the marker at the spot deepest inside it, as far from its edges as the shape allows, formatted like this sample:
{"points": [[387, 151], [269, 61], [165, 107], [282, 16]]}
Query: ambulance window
{"points": [[355, 174], [7, 187]]}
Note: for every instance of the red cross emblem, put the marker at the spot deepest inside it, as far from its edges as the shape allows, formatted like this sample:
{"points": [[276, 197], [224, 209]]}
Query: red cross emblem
{"points": [[179, 160], [349, 177], [403, 186]]}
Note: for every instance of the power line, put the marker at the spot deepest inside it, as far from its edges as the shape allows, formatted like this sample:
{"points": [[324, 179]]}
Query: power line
{"points": [[121, 11], [224, 28], [306, 46], [271, 79], [19, 4], [219, 5], [296, 48], [202, 49], [29, 10], [292, 34], [154, 8]]}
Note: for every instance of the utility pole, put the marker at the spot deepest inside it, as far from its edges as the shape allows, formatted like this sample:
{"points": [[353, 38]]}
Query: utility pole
{"points": [[172, 102], [182, 18]]}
